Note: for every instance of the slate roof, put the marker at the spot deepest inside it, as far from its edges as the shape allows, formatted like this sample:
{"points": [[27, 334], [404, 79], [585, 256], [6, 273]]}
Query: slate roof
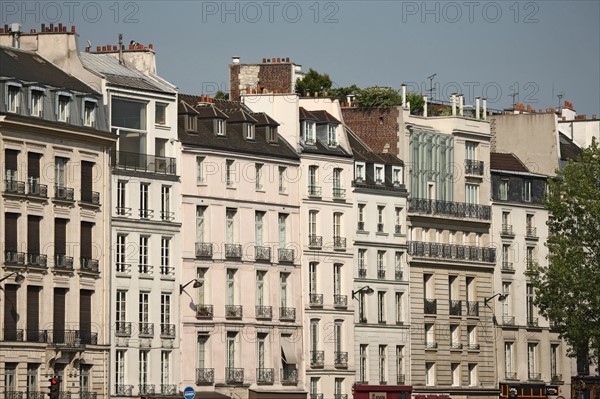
{"points": [[509, 162], [324, 117], [568, 149], [27, 66], [362, 152]]}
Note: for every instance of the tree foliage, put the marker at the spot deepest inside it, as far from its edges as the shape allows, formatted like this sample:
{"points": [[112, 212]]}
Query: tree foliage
{"points": [[313, 82], [221, 95], [568, 289]]}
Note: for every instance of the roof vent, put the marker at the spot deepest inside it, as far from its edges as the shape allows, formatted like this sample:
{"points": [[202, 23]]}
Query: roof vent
{"points": [[235, 60]]}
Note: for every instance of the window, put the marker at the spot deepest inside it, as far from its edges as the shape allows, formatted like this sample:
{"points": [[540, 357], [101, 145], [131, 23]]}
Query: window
{"points": [[337, 225], [361, 259], [314, 386], [282, 222], [191, 123], [505, 256], [312, 278], [259, 228], [202, 350], [472, 374], [143, 310], [229, 173], [120, 367], [165, 203], [554, 361], [381, 264], [470, 151], [359, 171], [13, 98], [508, 360], [230, 214], [531, 360], [337, 278], [165, 367], [258, 176], [121, 198], [339, 383], [201, 277], [529, 303], [399, 364], [261, 345], [399, 308], [380, 218], [398, 220], [271, 133], [144, 191], [143, 367], [471, 194], [165, 310], [363, 362], [361, 217], [260, 288], [397, 176], [312, 180], [530, 258], [503, 189], [231, 287], [32, 377], [527, 190], [60, 171], [314, 335], [337, 182], [89, 113], [455, 374], [362, 310], [37, 105], [429, 373], [249, 131], [200, 224], [332, 135], [128, 114], [121, 309], [378, 174], [337, 335], [472, 336], [200, 170], [283, 289], [312, 223], [282, 171], [120, 253], [63, 113], [165, 262], [506, 310], [308, 132], [382, 365], [160, 114], [220, 127], [381, 307], [430, 336]]}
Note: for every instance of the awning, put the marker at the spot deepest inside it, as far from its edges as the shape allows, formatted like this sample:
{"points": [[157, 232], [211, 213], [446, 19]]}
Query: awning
{"points": [[289, 354], [211, 395], [276, 394]]}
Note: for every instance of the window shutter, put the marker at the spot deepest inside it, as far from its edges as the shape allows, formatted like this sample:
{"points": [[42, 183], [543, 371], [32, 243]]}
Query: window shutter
{"points": [[86, 180], [11, 159], [86, 239], [33, 234], [33, 313], [85, 315], [10, 312], [33, 165], [60, 236], [59, 315], [10, 231]]}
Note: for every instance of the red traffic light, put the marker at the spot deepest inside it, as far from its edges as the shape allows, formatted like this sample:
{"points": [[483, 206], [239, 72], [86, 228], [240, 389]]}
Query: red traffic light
{"points": [[53, 381]]}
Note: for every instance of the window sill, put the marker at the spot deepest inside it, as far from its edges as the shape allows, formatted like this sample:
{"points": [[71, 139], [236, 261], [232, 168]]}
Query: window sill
{"points": [[230, 187], [162, 127], [365, 232], [381, 233], [283, 192]]}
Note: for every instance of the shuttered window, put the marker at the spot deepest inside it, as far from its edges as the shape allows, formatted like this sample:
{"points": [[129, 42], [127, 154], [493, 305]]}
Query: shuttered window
{"points": [[33, 165], [10, 312], [85, 315], [60, 236], [33, 313], [86, 181], [11, 161], [59, 315], [10, 231], [86, 239], [33, 234]]}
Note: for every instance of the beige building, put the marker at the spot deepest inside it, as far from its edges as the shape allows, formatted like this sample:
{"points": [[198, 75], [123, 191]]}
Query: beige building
{"points": [[55, 148]]}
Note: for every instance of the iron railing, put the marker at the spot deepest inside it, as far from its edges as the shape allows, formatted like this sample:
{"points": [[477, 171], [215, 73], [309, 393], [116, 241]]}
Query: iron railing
{"points": [[37, 335], [360, 226], [123, 390], [168, 389], [473, 167], [41, 395], [339, 242], [455, 308], [380, 227], [262, 253], [167, 271], [431, 345], [63, 261], [288, 314], [430, 306], [510, 376], [37, 190], [234, 375], [317, 358], [146, 213], [64, 193], [449, 208], [339, 193], [123, 268], [507, 230], [205, 376], [264, 312], [204, 311], [534, 376], [340, 359], [381, 272], [167, 216], [90, 197], [123, 329], [71, 338], [314, 191], [556, 378], [167, 331], [398, 229], [14, 257], [398, 274], [233, 311], [315, 241], [265, 376], [146, 329], [315, 299], [289, 376], [508, 320], [362, 272], [340, 301], [507, 266], [37, 260], [532, 322], [147, 389], [473, 308], [285, 255], [144, 163], [473, 347], [89, 265], [400, 379], [145, 269], [531, 232], [451, 251], [13, 335], [456, 345], [204, 250], [233, 251], [14, 187]]}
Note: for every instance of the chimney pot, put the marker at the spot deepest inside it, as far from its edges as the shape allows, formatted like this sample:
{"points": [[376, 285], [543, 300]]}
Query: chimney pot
{"points": [[103, 48], [43, 27], [87, 49], [51, 27], [287, 59], [1, 30], [278, 59], [60, 26], [264, 60], [98, 48], [151, 46]]}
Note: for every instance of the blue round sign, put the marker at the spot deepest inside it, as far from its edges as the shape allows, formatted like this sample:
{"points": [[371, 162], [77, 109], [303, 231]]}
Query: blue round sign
{"points": [[189, 393]]}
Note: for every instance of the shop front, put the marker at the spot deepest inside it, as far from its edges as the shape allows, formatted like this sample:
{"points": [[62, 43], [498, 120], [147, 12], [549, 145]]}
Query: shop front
{"points": [[382, 392]]}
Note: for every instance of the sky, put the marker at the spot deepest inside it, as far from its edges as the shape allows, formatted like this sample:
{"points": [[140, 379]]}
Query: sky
{"points": [[492, 49]]}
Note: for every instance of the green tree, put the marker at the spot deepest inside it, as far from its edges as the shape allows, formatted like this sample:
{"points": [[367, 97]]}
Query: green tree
{"points": [[567, 291], [378, 97], [341, 93], [221, 95], [313, 81]]}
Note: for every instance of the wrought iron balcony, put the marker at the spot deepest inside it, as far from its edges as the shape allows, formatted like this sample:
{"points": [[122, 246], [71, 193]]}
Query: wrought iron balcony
{"points": [[456, 346], [400, 379], [205, 376], [339, 242], [204, 250], [507, 230], [398, 274], [147, 389], [317, 358], [233, 311], [233, 251], [449, 208], [37, 190], [123, 268], [167, 216], [534, 376], [289, 376], [473, 167], [37, 336], [362, 272], [455, 308], [360, 226], [90, 197], [265, 376], [315, 396], [234, 375], [381, 272], [340, 301], [510, 376], [288, 314], [146, 330], [556, 378], [285, 255], [507, 266], [264, 312], [398, 229], [146, 213], [37, 260], [71, 338], [508, 320], [123, 390], [146, 269], [144, 163], [41, 395], [380, 227], [167, 331], [13, 335], [473, 308], [430, 306], [14, 187], [340, 396], [451, 251], [473, 347], [14, 395], [314, 191], [339, 193], [63, 262], [14, 257], [123, 211], [167, 271], [316, 299], [89, 265], [262, 253], [168, 389], [531, 232], [123, 329], [315, 241], [204, 311], [64, 193], [64, 395], [340, 359], [532, 322], [431, 345]]}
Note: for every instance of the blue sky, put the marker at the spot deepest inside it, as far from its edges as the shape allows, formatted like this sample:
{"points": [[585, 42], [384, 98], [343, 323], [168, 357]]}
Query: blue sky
{"points": [[481, 48]]}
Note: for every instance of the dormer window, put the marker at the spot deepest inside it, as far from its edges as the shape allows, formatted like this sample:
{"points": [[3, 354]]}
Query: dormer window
{"points": [[220, 127], [332, 135], [359, 171], [191, 123], [37, 102], [13, 97], [89, 112], [397, 175], [308, 132], [271, 134], [379, 174], [249, 131], [63, 113]]}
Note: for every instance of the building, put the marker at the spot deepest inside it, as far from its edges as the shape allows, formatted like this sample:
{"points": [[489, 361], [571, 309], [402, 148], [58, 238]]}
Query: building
{"points": [[529, 353], [242, 317], [55, 145]]}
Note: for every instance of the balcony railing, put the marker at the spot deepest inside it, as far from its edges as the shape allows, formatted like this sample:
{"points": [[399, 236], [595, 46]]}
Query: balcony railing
{"points": [[262, 253], [204, 311], [37, 190], [507, 266], [89, 265], [473, 347], [473, 167], [510, 376], [381, 272], [285, 255], [37, 335], [315, 241], [64, 193], [532, 322], [123, 211], [556, 378], [317, 358], [398, 229], [37, 260], [234, 375], [144, 163], [63, 262], [315, 299], [340, 396], [456, 345], [398, 274], [264, 312], [340, 301], [41, 395], [340, 359], [430, 306], [146, 330], [431, 345], [288, 314], [449, 208], [167, 216], [14, 187], [13, 335], [508, 320], [473, 308], [455, 308], [400, 379], [90, 197], [205, 376], [147, 389], [360, 226], [233, 251], [123, 268], [168, 389], [507, 230], [147, 270], [534, 376], [123, 329], [451, 251], [123, 390], [314, 191], [71, 338], [362, 272], [531, 232], [289, 376], [380, 227], [167, 271], [339, 242], [14, 257], [204, 250], [265, 376], [339, 193], [315, 396], [233, 311], [167, 331], [146, 213]]}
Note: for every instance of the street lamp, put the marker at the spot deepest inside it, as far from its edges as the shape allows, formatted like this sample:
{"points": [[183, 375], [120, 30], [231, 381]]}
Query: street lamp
{"points": [[501, 297], [18, 279], [366, 289], [196, 282]]}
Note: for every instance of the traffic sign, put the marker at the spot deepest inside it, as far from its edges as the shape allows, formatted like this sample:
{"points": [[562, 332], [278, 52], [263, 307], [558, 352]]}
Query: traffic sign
{"points": [[189, 393]]}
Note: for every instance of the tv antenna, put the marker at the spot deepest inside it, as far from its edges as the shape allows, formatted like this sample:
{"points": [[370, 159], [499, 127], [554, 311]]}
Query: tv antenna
{"points": [[431, 88], [514, 96], [560, 96]]}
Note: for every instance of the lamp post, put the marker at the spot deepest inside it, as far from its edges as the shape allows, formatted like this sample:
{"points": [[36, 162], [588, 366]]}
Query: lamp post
{"points": [[196, 282], [366, 289], [18, 279]]}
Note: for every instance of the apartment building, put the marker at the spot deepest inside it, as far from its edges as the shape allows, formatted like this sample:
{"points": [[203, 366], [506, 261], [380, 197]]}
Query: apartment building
{"points": [[382, 329], [241, 307], [54, 148], [451, 256], [146, 222]]}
